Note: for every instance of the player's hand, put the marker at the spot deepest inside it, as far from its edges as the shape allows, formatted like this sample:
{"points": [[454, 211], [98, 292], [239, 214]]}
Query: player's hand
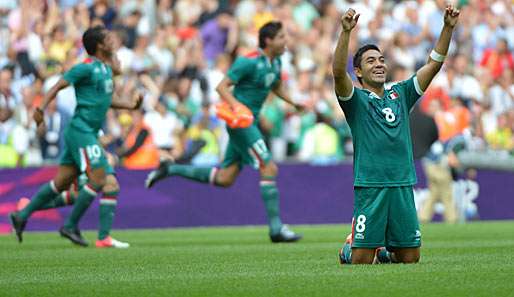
{"points": [[39, 116], [349, 20], [137, 100], [41, 129], [451, 16], [237, 116]]}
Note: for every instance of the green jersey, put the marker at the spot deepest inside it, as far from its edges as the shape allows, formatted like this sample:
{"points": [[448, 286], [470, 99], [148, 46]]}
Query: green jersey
{"points": [[254, 76], [381, 134], [93, 85]]}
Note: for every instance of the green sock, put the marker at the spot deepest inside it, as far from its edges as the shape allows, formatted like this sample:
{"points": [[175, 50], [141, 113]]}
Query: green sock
{"points": [[107, 209], [45, 194], [269, 195], [86, 195], [200, 174], [65, 198]]}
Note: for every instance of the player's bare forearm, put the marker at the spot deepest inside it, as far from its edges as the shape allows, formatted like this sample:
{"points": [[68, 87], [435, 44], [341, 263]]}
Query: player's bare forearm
{"points": [[115, 65], [119, 103], [223, 90], [426, 73], [38, 115], [281, 92], [436, 58], [52, 93], [341, 56], [342, 81]]}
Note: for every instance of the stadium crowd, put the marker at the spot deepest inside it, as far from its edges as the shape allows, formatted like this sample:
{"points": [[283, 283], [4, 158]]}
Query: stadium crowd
{"points": [[176, 52]]}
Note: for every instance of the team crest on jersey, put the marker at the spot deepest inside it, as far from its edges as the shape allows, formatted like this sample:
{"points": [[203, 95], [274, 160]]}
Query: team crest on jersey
{"points": [[393, 95]]}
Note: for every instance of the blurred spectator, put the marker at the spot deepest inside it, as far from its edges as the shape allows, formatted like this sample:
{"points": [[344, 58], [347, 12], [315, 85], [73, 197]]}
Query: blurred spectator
{"points": [[499, 59], [271, 123], [101, 10], [219, 35], [501, 138], [321, 145], [137, 150], [59, 45], [176, 52], [501, 94], [463, 84], [52, 139], [204, 147], [160, 54], [165, 128]]}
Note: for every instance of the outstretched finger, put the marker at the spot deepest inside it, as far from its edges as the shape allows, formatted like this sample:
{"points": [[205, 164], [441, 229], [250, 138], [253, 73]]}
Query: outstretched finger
{"points": [[356, 18]]}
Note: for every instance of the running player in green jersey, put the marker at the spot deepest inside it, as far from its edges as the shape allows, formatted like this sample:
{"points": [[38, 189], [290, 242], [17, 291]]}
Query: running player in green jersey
{"points": [[93, 85], [253, 78], [384, 211]]}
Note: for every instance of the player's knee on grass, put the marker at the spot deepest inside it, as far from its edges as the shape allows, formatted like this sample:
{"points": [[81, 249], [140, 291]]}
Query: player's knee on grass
{"points": [[407, 255], [362, 256], [111, 184], [269, 169]]}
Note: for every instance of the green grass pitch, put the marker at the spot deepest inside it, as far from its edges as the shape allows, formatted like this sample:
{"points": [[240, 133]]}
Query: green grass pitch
{"points": [[475, 259]]}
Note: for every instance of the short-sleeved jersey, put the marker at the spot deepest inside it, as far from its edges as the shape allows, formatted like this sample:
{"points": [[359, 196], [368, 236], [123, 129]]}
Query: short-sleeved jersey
{"points": [[93, 85], [381, 134], [254, 76]]}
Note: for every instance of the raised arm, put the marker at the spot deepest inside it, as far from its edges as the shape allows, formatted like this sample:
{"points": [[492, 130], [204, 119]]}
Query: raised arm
{"points": [[39, 114], [342, 80], [115, 65], [435, 61]]}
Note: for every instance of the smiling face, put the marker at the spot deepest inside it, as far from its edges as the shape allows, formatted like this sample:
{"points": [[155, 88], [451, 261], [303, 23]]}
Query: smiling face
{"points": [[372, 69]]}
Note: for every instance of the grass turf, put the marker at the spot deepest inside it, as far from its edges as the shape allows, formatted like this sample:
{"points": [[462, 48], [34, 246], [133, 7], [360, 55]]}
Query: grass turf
{"points": [[475, 259]]}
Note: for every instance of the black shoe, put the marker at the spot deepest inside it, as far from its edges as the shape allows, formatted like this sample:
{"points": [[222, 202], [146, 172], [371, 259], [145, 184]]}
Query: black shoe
{"points": [[285, 235], [18, 225], [157, 174], [74, 236]]}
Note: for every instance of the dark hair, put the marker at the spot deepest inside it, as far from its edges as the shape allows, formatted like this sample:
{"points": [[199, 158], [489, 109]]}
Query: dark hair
{"points": [[92, 37], [357, 58], [269, 30]]}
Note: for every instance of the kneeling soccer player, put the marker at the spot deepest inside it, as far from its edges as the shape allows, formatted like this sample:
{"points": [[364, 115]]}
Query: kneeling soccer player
{"points": [[384, 211]]}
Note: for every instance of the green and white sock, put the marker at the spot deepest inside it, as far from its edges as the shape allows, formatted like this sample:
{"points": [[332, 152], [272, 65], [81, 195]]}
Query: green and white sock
{"points": [[64, 199], [45, 194], [107, 210], [270, 196], [199, 174], [86, 195]]}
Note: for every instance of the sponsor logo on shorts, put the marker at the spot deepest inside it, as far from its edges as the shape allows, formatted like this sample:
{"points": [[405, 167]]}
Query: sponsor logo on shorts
{"points": [[359, 236], [418, 235]]}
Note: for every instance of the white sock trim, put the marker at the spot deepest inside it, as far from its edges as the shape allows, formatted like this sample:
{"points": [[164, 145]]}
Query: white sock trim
{"points": [[53, 187], [267, 183], [108, 201], [90, 191], [212, 176]]}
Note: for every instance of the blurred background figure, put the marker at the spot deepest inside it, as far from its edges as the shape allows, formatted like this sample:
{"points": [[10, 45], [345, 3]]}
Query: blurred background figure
{"points": [[175, 52]]}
